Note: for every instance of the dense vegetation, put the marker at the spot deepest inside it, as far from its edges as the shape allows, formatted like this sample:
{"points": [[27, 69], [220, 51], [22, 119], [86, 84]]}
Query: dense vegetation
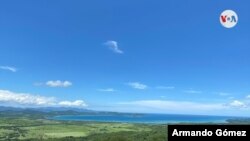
{"points": [[33, 125]]}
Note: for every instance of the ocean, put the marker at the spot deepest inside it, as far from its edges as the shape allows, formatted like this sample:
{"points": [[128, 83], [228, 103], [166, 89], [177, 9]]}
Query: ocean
{"points": [[145, 118]]}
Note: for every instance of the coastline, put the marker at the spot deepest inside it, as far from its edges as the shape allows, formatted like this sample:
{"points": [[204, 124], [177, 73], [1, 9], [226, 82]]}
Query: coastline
{"points": [[147, 118]]}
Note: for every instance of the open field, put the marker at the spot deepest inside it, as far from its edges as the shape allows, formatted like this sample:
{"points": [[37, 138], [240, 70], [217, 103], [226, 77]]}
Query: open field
{"points": [[30, 125], [34, 126]]}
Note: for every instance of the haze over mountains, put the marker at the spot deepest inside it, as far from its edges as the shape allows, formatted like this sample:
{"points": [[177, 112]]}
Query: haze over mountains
{"points": [[44, 109]]}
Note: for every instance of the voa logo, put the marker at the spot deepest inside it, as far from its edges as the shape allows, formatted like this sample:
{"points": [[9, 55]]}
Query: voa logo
{"points": [[228, 18]]}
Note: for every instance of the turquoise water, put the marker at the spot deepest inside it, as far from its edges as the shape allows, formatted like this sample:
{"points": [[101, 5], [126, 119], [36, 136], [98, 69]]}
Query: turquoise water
{"points": [[145, 118]]}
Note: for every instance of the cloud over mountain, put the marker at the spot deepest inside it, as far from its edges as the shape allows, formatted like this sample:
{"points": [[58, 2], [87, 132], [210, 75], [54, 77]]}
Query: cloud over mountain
{"points": [[25, 99]]}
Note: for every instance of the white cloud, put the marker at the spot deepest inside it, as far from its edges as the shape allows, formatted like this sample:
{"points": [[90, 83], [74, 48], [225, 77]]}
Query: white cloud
{"points": [[165, 87], [138, 85], [193, 92], [113, 45], [25, 99], [8, 68], [248, 97], [238, 104], [107, 90], [77, 103], [58, 83]]}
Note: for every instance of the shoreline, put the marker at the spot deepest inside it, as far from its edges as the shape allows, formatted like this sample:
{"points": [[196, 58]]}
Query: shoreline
{"points": [[153, 119]]}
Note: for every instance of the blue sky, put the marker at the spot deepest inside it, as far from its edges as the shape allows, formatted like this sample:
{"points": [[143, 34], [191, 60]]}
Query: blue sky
{"points": [[164, 56]]}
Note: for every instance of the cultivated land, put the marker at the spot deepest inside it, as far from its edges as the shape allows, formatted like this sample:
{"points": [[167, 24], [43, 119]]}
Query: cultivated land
{"points": [[34, 126]]}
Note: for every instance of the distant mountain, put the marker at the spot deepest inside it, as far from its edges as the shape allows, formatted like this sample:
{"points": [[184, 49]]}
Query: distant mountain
{"points": [[45, 109], [45, 112], [59, 109], [3, 108]]}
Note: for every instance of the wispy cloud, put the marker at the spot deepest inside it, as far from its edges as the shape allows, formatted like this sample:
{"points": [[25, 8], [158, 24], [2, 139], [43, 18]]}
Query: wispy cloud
{"points": [[38, 84], [165, 87], [248, 96], [25, 99], [58, 83], [137, 85], [107, 90], [193, 92], [8, 68], [180, 107], [171, 106], [223, 94], [113, 45]]}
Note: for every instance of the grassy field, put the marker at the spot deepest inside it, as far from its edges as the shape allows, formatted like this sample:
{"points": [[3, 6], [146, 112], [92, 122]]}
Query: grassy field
{"points": [[28, 126]]}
